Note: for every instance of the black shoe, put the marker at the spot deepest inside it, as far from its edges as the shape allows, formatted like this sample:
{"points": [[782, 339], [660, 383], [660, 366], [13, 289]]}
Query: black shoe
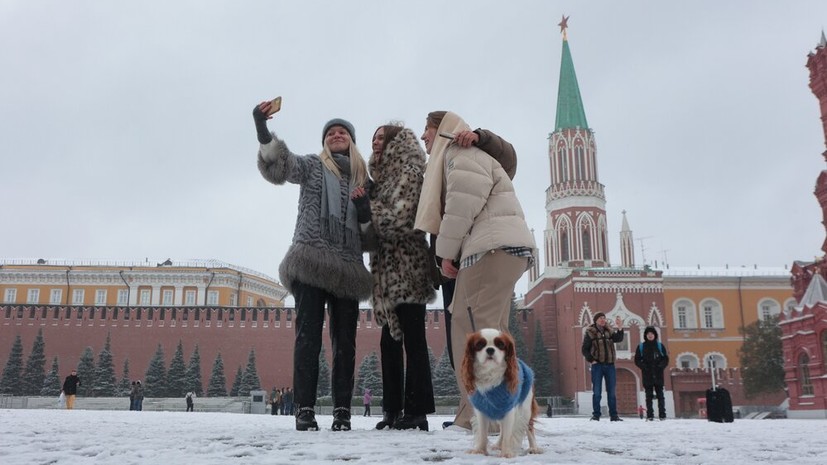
{"points": [[411, 422], [388, 419], [446, 424], [306, 420], [662, 418], [594, 418], [341, 419], [650, 419], [616, 418]]}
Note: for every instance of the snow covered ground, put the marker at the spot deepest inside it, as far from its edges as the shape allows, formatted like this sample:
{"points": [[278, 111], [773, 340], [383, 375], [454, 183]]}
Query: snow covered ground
{"points": [[123, 438]]}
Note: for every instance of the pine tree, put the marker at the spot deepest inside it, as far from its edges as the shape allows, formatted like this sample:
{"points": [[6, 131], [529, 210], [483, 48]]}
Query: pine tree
{"points": [[234, 390], [86, 372], [177, 373], [323, 388], [125, 385], [155, 381], [105, 372], [34, 373], [762, 358], [445, 382], [541, 365], [249, 380], [515, 326], [218, 382], [11, 380], [193, 374], [51, 383], [431, 360], [370, 376]]}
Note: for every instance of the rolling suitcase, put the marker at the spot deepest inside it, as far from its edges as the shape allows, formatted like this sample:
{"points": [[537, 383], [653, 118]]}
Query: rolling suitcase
{"points": [[718, 403]]}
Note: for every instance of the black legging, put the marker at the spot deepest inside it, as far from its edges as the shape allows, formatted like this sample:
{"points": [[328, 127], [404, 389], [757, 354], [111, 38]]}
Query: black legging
{"points": [[417, 397], [343, 315]]}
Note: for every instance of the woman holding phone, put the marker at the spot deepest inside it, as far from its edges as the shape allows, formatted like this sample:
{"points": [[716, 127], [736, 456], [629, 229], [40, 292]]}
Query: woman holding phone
{"points": [[323, 265]]}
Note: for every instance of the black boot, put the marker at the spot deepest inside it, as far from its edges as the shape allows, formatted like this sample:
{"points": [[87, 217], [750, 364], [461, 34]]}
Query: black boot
{"points": [[388, 418], [306, 419], [341, 419], [411, 422]]}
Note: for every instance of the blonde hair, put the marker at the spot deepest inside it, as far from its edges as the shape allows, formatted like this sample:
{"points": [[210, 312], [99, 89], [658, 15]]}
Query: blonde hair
{"points": [[358, 168]]}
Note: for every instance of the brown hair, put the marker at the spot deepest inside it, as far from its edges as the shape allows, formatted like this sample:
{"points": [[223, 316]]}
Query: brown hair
{"points": [[391, 131], [435, 118]]}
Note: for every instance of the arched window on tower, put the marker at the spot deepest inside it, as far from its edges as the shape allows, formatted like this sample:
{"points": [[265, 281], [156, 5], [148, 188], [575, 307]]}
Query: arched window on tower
{"points": [[605, 256], [587, 244], [564, 165], [579, 164], [564, 246]]}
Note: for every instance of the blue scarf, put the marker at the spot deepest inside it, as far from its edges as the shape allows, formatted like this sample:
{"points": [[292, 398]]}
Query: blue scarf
{"points": [[497, 402]]}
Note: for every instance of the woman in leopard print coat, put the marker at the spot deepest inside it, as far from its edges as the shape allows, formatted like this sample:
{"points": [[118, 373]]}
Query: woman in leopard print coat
{"points": [[402, 285]]}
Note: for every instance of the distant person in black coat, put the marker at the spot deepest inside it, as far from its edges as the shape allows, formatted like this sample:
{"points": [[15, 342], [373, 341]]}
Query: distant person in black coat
{"points": [[70, 389], [652, 358]]}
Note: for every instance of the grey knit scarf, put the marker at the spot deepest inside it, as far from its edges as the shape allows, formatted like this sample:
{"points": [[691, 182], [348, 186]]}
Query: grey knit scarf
{"points": [[333, 227]]}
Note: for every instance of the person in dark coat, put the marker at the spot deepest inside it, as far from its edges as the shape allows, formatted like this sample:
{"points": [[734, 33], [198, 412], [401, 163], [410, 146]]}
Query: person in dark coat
{"points": [[598, 348], [652, 358], [70, 389]]}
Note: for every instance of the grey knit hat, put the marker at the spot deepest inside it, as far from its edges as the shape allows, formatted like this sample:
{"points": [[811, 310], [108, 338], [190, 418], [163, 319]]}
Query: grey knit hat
{"points": [[339, 122]]}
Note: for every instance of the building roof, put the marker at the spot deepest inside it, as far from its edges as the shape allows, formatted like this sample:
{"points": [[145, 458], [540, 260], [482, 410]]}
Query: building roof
{"points": [[725, 271], [816, 293], [570, 112], [189, 263]]}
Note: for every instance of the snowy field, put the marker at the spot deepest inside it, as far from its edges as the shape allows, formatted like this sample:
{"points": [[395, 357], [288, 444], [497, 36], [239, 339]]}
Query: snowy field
{"points": [[123, 438]]}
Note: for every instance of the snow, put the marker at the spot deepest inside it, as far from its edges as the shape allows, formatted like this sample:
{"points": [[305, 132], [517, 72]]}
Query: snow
{"points": [[123, 437]]}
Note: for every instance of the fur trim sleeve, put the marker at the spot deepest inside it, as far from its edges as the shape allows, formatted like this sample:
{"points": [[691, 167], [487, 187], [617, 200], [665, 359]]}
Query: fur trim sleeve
{"points": [[278, 164]]}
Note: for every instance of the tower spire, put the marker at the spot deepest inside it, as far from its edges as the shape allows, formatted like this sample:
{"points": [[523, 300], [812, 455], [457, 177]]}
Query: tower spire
{"points": [[570, 113]]}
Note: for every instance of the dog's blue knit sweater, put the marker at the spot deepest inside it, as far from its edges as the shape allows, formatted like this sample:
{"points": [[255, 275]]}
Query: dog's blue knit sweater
{"points": [[498, 401]]}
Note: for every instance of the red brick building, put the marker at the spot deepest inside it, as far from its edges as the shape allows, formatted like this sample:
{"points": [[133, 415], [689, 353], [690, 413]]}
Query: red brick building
{"points": [[805, 325]]}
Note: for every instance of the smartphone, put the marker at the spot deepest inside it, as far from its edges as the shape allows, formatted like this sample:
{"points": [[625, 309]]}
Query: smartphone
{"points": [[275, 105], [446, 135]]}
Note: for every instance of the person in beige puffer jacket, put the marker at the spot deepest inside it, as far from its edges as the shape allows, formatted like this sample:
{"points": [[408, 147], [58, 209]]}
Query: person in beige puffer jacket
{"points": [[469, 202]]}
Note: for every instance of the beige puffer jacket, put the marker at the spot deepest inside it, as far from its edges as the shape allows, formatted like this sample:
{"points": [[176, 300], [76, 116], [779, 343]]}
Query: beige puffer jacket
{"points": [[482, 211]]}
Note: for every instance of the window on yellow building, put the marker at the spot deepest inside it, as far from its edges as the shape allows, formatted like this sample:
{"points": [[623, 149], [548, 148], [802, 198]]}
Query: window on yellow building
{"points": [[11, 295], [33, 297], [56, 296], [77, 297]]}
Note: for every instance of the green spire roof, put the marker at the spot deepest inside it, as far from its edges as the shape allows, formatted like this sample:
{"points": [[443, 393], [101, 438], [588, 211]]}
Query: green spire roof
{"points": [[570, 113]]}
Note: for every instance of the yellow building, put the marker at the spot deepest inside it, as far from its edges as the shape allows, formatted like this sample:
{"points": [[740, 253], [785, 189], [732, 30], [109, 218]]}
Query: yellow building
{"points": [[706, 307], [122, 283]]}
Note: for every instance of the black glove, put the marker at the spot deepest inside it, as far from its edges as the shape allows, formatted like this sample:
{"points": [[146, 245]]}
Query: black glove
{"points": [[362, 205], [262, 132]]}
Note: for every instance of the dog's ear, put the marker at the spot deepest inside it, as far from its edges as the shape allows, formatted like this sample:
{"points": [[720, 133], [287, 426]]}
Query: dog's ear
{"points": [[467, 368], [512, 370]]}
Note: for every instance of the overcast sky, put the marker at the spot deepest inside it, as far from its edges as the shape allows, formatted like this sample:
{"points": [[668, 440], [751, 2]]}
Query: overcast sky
{"points": [[126, 128]]}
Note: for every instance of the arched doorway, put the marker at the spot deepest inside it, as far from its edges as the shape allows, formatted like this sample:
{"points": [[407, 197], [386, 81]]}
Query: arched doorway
{"points": [[626, 392]]}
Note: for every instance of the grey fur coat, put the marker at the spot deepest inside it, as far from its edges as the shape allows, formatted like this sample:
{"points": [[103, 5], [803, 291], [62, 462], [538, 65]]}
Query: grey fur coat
{"points": [[400, 265], [311, 259]]}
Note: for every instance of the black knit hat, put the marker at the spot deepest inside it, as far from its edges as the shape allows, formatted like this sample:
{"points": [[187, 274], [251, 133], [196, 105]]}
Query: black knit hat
{"points": [[597, 315], [339, 122], [650, 329]]}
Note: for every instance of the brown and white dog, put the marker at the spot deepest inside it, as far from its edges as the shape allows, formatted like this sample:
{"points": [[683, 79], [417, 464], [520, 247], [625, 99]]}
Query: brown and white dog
{"points": [[501, 389]]}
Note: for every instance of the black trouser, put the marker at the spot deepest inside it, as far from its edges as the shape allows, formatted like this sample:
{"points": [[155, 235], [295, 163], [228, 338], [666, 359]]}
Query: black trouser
{"points": [[343, 315], [189, 406], [650, 413], [447, 297], [417, 397]]}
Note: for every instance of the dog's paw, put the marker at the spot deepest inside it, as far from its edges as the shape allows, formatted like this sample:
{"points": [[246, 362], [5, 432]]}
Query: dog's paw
{"points": [[507, 454], [478, 451], [535, 450]]}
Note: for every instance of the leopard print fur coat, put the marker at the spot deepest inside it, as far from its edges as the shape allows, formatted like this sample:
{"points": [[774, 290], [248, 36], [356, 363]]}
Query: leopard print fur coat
{"points": [[400, 265]]}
